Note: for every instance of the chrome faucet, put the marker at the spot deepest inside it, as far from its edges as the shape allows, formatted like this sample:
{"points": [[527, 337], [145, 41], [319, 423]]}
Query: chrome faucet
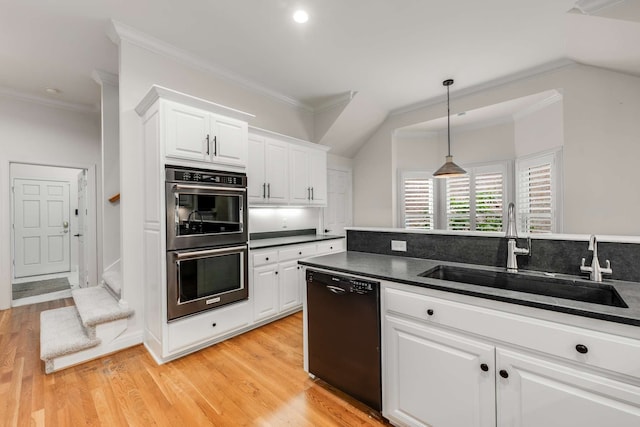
{"points": [[595, 271], [512, 244]]}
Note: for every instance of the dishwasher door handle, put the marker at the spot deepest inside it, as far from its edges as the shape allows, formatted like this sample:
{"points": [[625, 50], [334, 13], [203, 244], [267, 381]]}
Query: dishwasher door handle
{"points": [[336, 289]]}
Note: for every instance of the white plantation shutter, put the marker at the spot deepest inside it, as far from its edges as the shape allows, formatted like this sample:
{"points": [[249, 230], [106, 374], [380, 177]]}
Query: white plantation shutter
{"points": [[537, 193], [476, 201], [458, 203], [489, 203], [418, 201]]}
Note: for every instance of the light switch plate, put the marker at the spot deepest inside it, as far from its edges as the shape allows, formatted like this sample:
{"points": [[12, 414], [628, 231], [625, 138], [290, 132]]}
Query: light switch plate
{"points": [[399, 245]]}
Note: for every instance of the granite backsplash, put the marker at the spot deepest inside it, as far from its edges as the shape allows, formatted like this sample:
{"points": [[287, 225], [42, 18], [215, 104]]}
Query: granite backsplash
{"points": [[554, 256]]}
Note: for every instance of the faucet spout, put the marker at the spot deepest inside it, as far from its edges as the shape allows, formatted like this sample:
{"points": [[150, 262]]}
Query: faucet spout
{"points": [[595, 270], [512, 244]]}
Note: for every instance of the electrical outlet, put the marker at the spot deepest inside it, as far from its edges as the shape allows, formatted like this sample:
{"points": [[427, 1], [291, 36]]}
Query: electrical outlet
{"points": [[399, 245], [284, 222]]}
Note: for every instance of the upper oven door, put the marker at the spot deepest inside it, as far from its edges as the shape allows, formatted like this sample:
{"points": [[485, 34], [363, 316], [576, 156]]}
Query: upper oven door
{"points": [[205, 215]]}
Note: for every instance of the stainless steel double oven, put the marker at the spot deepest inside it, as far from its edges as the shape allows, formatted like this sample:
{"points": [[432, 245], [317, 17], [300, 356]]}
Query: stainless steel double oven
{"points": [[207, 252]]}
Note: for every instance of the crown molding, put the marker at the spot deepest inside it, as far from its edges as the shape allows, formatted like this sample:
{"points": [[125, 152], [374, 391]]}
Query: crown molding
{"points": [[588, 7], [118, 32], [522, 75], [104, 77], [551, 99], [41, 100], [286, 138]]}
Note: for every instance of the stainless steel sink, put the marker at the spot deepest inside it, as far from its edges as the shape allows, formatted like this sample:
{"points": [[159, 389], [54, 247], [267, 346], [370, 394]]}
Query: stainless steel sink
{"points": [[577, 290]]}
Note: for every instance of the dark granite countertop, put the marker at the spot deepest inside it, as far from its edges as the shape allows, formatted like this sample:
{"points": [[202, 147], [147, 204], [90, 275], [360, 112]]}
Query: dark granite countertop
{"points": [[290, 240], [406, 270]]}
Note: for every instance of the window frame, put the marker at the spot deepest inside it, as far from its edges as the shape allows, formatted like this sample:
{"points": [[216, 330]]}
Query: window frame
{"points": [[555, 158], [416, 174]]}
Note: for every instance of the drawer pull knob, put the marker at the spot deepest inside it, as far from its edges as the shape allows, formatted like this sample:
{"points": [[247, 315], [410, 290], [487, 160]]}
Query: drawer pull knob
{"points": [[430, 312], [330, 247], [213, 325], [484, 367], [504, 374], [276, 272], [300, 253], [582, 349], [266, 259]]}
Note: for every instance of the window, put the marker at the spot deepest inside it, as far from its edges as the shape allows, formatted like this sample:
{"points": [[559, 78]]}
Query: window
{"points": [[472, 202], [476, 201], [417, 200], [538, 195]]}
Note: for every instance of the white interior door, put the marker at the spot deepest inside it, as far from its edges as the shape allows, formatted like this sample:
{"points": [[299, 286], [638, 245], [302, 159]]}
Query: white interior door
{"points": [[83, 223], [41, 227], [337, 214]]}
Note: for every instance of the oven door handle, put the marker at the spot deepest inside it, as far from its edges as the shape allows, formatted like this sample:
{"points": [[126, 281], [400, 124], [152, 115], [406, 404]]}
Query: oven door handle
{"points": [[206, 187], [198, 254]]}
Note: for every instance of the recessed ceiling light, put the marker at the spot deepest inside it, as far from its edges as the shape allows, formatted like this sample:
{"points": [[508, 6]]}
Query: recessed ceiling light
{"points": [[300, 16], [53, 91]]}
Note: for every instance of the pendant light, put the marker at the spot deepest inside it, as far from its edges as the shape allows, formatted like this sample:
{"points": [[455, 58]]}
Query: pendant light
{"points": [[449, 169]]}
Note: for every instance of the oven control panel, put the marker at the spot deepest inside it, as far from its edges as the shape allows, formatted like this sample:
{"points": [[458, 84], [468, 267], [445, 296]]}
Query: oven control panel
{"points": [[206, 177]]}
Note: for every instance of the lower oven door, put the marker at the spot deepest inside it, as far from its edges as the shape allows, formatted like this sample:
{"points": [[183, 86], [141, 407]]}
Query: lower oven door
{"points": [[200, 280]]}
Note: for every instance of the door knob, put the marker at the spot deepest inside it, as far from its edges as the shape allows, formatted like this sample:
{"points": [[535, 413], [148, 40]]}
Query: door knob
{"points": [[65, 224]]}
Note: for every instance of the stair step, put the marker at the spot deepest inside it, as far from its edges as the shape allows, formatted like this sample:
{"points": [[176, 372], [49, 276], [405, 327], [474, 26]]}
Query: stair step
{"points": [[96, 305], [112, 283], [61, 333]]}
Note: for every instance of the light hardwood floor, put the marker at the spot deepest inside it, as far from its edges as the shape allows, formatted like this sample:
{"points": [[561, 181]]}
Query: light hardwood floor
{"points": [[253, 379]]}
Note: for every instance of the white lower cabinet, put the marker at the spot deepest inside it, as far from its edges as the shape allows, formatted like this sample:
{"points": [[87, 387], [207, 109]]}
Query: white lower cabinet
{"points": [[435, 378], [448, 364], [277, 279], [532, 391]]}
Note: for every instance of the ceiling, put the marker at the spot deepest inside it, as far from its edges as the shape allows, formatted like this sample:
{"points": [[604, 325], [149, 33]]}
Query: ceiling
{"points": [[396, 53]]}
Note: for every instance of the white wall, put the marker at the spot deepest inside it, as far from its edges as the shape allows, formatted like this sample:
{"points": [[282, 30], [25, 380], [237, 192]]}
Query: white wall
{"points": [[32, 133], [139, 70], [110, 115], [601, 128], [542, 130], [52, 173]]}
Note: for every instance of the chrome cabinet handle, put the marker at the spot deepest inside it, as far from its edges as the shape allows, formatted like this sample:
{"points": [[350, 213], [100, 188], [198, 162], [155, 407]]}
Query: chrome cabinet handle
{"points": [[336, 290]]}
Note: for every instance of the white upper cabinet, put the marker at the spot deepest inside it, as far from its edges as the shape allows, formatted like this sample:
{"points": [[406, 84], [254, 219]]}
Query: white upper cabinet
{"points": [[286, 171], [186, 132], [268, 171], [308, 176], [196, 134]]}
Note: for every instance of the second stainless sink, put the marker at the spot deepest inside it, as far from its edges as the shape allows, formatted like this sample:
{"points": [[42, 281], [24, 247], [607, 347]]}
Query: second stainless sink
{"points": [[577, 290]]}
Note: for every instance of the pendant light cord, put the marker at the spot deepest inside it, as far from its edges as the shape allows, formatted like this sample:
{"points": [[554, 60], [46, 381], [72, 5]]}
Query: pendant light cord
{"points": [[448, 124]]}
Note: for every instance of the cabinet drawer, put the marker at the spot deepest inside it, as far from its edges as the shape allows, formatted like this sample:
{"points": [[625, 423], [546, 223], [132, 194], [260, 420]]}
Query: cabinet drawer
{"points": [[262, 258], [296, 252], [331, 246], [593, 348], [199, 329]]}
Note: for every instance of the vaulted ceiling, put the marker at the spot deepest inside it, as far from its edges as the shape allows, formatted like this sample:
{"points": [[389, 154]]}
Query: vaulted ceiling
{"points": [[393, 54]]}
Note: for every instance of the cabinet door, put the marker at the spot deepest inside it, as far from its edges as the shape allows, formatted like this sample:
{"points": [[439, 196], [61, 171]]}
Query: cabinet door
{"points": [[318, 177], [256, 182], [230, 146], [277, 171], [265, 291], [290, 292], [299, 188], [186, 132], [434, 377], [539, 392]]}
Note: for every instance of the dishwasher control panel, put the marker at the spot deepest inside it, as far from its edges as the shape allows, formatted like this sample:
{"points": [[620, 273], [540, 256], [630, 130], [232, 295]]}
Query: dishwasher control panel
{"points": [[347, 284]]}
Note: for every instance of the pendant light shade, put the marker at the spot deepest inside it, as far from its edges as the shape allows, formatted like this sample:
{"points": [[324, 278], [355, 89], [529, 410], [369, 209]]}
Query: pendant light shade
{"points": [[449, 169]]}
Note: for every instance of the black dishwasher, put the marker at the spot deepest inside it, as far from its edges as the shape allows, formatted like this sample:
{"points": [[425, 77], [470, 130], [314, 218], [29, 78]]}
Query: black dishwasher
{"points": [[343, 331]]}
